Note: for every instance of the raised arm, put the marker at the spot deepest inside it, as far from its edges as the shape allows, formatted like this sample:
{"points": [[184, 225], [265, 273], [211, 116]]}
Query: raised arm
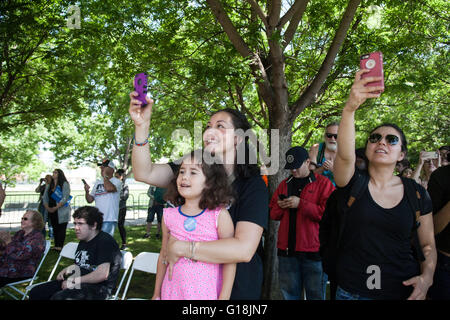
{"points": [[344, 165], [144, 170]]}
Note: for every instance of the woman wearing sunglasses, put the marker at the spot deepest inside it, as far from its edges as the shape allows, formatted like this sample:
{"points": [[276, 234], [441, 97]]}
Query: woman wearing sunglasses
{"points": [[375, 258], [20, 253]]}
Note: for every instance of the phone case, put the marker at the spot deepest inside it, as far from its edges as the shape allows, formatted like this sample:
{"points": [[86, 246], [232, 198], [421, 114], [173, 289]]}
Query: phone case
{"points": [[374, 62], [140, 86]]}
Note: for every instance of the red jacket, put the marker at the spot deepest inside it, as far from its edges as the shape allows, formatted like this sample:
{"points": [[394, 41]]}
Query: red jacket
{"points": [[313, 198]]}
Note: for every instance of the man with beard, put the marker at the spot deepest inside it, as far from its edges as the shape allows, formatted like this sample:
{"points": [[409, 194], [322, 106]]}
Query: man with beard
{"points": [[322, 154]]}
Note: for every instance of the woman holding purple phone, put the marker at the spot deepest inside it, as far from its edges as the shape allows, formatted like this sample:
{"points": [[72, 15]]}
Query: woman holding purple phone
{"points": [[249, 210]]}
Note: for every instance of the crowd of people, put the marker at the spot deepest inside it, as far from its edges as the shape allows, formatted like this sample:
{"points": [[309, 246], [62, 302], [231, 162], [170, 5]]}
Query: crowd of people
{"points": [[360, 218]]}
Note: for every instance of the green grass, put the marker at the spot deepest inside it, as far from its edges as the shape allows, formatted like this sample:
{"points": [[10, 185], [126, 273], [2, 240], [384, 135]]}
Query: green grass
{"points": [[142, 284]]}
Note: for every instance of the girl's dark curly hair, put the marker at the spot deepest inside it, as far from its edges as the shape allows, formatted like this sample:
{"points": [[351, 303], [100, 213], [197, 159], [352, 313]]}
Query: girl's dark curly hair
{"points": [[217, 191]]}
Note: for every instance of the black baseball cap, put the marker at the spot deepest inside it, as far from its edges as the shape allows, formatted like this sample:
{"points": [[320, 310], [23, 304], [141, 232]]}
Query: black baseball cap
{"points": [[295, 157]]}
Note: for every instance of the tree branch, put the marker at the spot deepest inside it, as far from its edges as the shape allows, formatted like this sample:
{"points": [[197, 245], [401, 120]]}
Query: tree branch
{"points": [[309, 94], [274, 12], [298, 9], [257, 9], [227, 25], [291, 12]]}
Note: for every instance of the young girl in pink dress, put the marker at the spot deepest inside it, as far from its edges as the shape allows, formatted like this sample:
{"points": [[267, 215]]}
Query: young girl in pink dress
{"points": [[201, 191]]}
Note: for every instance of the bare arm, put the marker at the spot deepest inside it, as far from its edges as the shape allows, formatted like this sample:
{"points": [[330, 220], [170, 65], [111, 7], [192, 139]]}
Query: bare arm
{"points": [[226, 230], [161, 267], [98, 275], [416, 173], [109, 186], [144, 170], [240, 248], [422, 282], [88, 197], [344, 165], [442, 218]]}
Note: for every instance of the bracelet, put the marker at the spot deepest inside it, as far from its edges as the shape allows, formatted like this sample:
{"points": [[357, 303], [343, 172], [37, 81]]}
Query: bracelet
{"points": [[192, 245], [139, 144]]}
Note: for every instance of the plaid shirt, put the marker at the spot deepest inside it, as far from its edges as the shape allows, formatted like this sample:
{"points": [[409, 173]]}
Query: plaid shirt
{"points": [[22, 255]]}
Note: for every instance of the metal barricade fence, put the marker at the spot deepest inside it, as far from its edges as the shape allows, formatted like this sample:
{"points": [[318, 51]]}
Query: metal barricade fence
{"points": [[16, 204]]}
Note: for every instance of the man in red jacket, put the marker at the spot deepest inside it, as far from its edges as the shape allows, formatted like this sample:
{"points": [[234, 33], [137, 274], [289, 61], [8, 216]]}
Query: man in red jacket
{"points": [[299, 203]]}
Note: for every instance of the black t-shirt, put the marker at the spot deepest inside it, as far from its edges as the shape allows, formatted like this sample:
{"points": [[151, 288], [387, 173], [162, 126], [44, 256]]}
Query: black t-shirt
{"points": [[374, 236], [439, 190], [101, 249], [251, 204]]}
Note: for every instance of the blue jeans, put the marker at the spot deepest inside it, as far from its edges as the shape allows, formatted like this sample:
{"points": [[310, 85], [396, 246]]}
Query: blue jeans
{"points": [[298, 273], [341, 294], [109, 227]]}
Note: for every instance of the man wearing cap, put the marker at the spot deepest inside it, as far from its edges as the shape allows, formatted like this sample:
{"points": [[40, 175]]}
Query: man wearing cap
{"points": [[106, 194], [299, 203]]}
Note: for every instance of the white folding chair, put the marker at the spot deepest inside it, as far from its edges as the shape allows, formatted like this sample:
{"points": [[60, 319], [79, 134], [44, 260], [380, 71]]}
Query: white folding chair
{"points": [[127, 260], [68, 251], [13, 285], [144, 261]]}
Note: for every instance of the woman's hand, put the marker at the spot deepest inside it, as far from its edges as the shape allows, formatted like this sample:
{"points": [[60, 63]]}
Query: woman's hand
{"points": [[52, 209], [360, 93], [140, 115], [174, 252], [421, 285]]}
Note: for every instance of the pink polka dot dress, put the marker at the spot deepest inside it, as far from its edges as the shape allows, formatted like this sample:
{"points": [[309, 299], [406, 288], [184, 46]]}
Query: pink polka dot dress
{"points": [[192, 280]]}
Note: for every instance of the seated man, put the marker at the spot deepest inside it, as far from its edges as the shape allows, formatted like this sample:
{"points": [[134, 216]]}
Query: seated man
{"points": [[97, 263]]}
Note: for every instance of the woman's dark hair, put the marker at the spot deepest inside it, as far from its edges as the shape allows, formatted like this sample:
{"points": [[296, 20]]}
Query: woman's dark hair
{"points": [[217, 191], [61, 179], [246, 169], [91, 215], [404, 146]]}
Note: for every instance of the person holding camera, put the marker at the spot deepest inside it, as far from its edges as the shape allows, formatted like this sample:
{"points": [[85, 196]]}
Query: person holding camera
{"points": [[106, 194], [428, 162], [299, 203], [43, 183], [375, 258]]}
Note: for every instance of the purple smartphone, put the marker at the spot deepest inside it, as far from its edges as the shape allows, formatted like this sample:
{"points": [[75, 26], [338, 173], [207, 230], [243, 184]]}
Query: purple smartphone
{"points": [[140, 86]]}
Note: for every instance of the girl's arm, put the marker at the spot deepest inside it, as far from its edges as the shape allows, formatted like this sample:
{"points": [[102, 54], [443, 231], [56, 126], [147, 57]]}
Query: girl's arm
{"points": [[422, 282], [161, 268], [344, 165], [144, 170], [226, 230]]}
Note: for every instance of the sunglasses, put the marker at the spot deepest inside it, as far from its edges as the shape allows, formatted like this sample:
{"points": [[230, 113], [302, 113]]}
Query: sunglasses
{"points": [[25, 219], [331, 135], [390, 138]]}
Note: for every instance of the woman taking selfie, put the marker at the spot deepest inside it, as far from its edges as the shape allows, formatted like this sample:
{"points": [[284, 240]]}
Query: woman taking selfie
{"points": [[378, 227], [249, 210]]}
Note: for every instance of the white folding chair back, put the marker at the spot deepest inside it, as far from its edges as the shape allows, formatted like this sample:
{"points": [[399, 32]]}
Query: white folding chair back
{"points": [[144, 261], [13, 285], [127, 260], [68, 251]]}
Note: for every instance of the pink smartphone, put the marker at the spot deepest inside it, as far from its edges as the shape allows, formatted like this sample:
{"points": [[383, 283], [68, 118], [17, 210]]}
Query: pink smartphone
{"points": [[374, 62]]}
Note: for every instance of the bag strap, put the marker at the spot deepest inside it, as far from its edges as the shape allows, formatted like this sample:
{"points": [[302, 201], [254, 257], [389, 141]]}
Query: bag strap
{"points": [[415, 202], [356, 191]]}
